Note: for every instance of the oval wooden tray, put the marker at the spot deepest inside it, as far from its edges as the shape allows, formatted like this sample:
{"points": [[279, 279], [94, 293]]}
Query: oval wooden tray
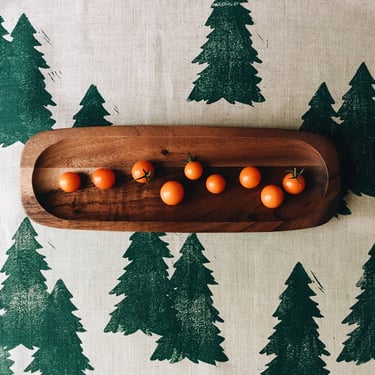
{"points": [[130, 206]]}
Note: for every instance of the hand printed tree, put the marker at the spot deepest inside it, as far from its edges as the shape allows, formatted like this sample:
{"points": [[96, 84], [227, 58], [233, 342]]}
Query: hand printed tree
{"points": [[147, 289], [60, 350], [194, 335], [230, 73], [92, 112], [24, 98], [355, 138], [360, 346], [7, 89], [23, 295], [318, 119], [295, 341], [5, 362], [4, 48], [3, 42]]}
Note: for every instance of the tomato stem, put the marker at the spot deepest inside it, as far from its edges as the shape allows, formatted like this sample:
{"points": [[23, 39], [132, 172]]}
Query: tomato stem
{"points": [[295, 174], [147, 175], [191, 158]]}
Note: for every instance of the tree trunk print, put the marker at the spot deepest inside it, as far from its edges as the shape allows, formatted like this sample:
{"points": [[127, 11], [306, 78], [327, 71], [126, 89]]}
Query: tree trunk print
{"points": [[360, 346], [24, 292], [146, 287], [195, 335], [295, 342], [92, 112], [60, 350], [229, 56]]}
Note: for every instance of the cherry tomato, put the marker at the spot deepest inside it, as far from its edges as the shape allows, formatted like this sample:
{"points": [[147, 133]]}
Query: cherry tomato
{"points": [[142, 171], [193, 170], [172, 193], [293, 182], [215, 183], [69, 181], [272, 196], [103, 178], [250, 177]]}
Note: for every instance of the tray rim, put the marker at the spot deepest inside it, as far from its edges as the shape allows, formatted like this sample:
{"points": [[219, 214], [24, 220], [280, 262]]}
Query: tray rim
{"points": [[41, 141]]}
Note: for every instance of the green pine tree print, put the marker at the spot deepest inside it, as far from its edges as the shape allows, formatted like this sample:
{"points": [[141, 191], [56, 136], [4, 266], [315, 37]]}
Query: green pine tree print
{"points": [[195, 335], [146, 287], [360, 346], [5, 362], [318, 119], [355, 138], [8, 90], [92, 112], [295, 341], [23, 98], [23, 295], [4, 44], [229, 56], [60, 351]]}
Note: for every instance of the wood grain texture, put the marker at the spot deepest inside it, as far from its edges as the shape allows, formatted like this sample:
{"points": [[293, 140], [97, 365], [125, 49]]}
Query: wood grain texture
{"points": [[130, 206]]}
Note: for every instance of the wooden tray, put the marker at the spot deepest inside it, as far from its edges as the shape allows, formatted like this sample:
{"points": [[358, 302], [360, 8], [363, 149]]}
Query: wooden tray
{"points": [[130, 206]]}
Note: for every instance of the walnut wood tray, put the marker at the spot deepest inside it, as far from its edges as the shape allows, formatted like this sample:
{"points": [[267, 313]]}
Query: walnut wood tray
{"points": [[130, 206]]}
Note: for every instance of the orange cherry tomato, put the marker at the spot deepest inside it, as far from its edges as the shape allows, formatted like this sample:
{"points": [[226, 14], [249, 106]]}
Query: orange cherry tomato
{"points": [[193, 170], [172, 193], [103, 178], [250, 177], [69, 181], [143, 171], [272, 196], [293, 182], [215, 183]]}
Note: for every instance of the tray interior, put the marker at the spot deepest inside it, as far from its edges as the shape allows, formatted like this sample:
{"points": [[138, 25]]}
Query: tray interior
{"points": [[129, 202]]}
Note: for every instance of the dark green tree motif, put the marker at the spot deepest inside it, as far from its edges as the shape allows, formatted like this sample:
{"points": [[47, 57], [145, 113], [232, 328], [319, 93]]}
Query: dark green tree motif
{"points": [[295, 341], [4, 46], [23, 295], [355, 138], [318, 119], [5, 362], [24, 98], [229, 56], [195, 335], [7, 95], [3, 42], [360, 346], [60, 351], [147, 289], [92, 112]]}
